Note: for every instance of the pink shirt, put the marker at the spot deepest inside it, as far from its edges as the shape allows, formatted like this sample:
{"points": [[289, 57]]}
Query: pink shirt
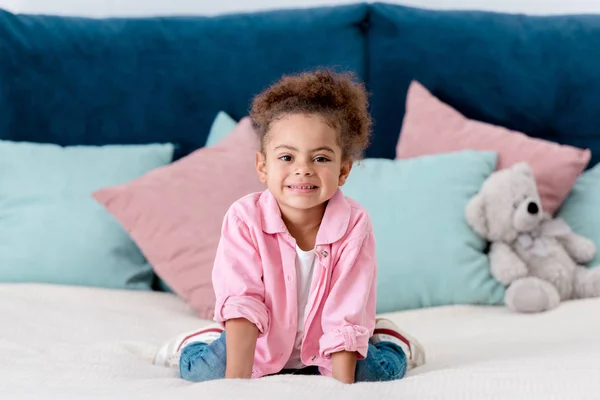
{"points": [[254, 278]]}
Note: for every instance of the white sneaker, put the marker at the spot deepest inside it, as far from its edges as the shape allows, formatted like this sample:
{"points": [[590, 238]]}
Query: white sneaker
{"points": [[168, 354], [387, 331]]}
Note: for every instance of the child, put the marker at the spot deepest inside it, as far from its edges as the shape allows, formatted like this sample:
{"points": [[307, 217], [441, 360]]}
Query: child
{"points": [[295, 270]]}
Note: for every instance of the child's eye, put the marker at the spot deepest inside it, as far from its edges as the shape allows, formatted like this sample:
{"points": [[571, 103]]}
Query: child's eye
{"points": [[285, 158], [321, 159]]}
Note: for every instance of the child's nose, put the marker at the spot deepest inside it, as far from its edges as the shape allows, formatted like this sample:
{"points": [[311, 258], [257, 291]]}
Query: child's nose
{"points": [[304, 170]]}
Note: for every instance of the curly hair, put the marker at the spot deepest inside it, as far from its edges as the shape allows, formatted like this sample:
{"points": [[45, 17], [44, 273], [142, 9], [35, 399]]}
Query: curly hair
{"points": [[337, 97]]}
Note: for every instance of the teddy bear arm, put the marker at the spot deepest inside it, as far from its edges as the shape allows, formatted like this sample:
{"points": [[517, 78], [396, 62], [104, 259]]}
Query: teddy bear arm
{"points": [[505, 264], [581, 249]]}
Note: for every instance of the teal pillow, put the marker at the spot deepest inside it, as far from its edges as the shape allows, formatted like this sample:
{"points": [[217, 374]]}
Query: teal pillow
{"points": [[222, 125], [53, 231], [427, 254], [581, 209]]}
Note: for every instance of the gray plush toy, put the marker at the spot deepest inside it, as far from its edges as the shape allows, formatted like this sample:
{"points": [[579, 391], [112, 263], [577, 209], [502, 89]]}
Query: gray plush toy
{"points": [[538, 258]]}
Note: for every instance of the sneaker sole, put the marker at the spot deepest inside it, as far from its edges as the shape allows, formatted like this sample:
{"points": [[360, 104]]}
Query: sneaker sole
{"points": [[168, 350], [413, 342]]}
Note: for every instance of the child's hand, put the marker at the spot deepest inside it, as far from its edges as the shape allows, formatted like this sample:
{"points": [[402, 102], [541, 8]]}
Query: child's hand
{"points": [[344, 366], [240, 336]]}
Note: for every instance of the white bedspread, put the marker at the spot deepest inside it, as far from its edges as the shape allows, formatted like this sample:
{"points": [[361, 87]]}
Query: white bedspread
{"points": [[73, 343]]}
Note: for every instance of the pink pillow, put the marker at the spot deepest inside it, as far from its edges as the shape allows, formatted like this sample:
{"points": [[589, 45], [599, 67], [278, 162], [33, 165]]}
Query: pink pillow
{"points": [[175, 213], [432, 127]]}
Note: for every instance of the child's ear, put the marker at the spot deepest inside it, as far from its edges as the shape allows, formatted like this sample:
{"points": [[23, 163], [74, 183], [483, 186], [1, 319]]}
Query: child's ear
{"points": [[261, 166], [344, 172]]}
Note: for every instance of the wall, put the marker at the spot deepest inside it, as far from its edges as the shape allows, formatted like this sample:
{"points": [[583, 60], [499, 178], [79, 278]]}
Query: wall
{"points": [[100, 8]]}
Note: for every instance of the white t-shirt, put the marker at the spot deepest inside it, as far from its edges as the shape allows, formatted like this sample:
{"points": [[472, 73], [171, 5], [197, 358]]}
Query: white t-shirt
{"points": [[305, 261]]}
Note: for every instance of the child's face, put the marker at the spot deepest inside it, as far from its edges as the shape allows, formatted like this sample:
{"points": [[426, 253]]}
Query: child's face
{"points": [[302, 163]]}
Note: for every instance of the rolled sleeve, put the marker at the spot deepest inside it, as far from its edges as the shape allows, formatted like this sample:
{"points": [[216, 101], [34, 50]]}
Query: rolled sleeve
{"points": [[348, 338], [348, 318], [244, 307], [237, 276]]}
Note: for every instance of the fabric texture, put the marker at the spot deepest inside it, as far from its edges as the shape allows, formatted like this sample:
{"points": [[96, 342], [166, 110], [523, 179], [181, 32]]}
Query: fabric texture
{"points": [[202, 362], [581, 210], [427, 255], [533, 74], [222, 126], [305, 267], [175, 213], [255, 278], [432, 127], [53, 231], [102, 342], [95, 81]]}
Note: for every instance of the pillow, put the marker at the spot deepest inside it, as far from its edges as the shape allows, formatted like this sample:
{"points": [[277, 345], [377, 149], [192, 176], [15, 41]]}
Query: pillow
{"points": [[427, 254], [140, 79], [53, 231], [529, 73], [175, 213], [432, 127], [581, 209], [221, 127]]}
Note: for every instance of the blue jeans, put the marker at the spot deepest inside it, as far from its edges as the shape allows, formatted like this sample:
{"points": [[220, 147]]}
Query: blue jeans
{"points": [[200, 362]]}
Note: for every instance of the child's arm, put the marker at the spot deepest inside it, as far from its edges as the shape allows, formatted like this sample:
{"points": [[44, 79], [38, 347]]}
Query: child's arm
{"points": [[240, 337], [239, 291], [348, 318], [344, 365]]}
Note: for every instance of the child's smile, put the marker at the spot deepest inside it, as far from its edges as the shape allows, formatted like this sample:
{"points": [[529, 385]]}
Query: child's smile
{"points": [[302, 165]]}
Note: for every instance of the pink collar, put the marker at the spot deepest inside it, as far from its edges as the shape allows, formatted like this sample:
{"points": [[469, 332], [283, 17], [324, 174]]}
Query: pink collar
{"points": [[333, 227]]}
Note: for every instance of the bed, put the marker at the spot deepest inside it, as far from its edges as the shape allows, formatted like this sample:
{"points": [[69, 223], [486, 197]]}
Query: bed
{"points": [[68, 342], [92, 82]]}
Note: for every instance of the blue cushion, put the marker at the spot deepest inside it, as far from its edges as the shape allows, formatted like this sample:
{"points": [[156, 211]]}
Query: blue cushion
{"points": [[52, 229], [221, 127], [86, 81], [427, 254], [537, 75], [581, 209]]}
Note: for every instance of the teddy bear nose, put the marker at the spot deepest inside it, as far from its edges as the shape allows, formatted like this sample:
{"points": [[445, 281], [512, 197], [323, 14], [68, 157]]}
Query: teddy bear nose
{"points": [[532, 208]]}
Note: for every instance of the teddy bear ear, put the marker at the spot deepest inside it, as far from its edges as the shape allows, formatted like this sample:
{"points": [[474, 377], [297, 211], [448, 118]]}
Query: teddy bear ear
{"points": [[524, 168], [475, 215]]}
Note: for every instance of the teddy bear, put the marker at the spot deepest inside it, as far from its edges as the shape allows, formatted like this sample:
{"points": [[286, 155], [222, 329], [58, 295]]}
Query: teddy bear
{"points": [[538, 258]]}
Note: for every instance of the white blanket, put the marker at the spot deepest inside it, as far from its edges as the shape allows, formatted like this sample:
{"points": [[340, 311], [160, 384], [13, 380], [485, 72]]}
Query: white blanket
{"points": [[72, 343]]}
